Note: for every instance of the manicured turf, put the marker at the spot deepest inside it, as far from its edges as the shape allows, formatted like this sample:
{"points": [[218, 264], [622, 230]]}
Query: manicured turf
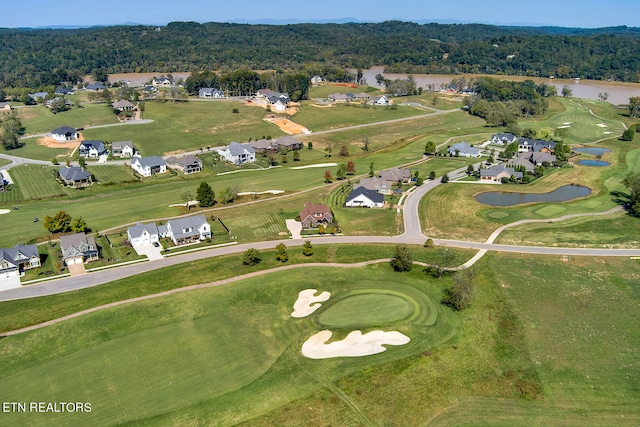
{"points": [[208, 354], [37, 181], [112, 174], [40, 119]]}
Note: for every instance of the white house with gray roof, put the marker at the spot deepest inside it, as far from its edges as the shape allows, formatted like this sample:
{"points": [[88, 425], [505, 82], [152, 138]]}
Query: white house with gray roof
{"points": [[92, 148], [64, 133], [360, 197], [122, 149], [463, 149], [147, 166], [14, 261], [185, 230], [78, 249], [238, 153], [209, 92], [143, 234]]}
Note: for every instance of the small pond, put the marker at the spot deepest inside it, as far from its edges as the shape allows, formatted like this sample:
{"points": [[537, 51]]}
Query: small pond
{"points": [[562, 194], [588, 162], [592, 150]]}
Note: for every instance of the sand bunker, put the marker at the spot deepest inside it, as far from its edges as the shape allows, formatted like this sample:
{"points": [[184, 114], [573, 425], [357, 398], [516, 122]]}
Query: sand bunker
{"points": [[354, 345], [607, 133], [4, 211], [564, 127], [319, 165], [304, 306], [602, 125], [288, 126], [567, 123], [248, 193]]}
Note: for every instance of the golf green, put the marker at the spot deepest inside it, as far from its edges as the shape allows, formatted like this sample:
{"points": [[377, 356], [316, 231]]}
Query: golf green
{"points": [[366, 310]]}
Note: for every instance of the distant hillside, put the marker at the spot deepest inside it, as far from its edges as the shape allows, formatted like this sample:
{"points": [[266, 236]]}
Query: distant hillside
{"points": [[35, 57]]}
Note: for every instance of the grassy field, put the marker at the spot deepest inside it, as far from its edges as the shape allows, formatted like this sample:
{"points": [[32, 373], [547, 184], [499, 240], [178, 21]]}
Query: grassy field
{"points": [[322, 91], [112, 174], [556, 346], [40, 119], [35, 181]]}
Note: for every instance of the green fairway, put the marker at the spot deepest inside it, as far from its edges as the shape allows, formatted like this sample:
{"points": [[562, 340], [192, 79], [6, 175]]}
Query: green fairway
{"points": [[112, 174], [35, 181], [210, 353], [40, 119]]}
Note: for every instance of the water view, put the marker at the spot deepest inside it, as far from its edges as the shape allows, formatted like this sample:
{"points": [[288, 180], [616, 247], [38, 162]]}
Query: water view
{"points": [[592, 150], [589, 162], [562, 194]]}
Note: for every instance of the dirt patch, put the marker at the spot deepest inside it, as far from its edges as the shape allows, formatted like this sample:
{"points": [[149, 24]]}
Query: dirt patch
{"points": [[49, 142], [355, 86], [287, 125]]}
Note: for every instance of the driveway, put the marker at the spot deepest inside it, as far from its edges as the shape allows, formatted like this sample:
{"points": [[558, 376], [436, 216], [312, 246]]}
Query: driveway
{"points": [[10, 282], [294, 227], [149, 251]]}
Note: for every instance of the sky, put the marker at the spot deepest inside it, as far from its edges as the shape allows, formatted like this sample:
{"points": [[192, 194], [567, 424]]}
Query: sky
{"points": [[564, 13]]}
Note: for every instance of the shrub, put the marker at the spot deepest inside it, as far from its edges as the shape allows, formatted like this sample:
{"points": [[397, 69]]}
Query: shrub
{"points": [[251, 257], [428, 243], [402, 260], [281, 253], [307, 249]]}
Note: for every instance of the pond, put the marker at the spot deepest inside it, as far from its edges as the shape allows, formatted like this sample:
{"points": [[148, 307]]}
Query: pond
{"points": [[562, 194], [592, 150], [589, 162]]}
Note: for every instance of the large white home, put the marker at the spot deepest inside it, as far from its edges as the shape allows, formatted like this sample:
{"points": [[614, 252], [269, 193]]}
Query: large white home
{"points": [[143, 234], [238, 153], [209, 92], [64, 133], [122, 149], [363, 198], [463, 149], [190, 229], [14, 261], [92, 148], [147, 166]]}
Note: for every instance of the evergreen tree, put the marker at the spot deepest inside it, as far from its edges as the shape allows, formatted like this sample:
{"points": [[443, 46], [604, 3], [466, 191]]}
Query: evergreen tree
{"points": [[205, 195]]}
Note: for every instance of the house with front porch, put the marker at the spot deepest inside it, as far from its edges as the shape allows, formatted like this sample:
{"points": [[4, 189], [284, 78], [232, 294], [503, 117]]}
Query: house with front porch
{"points": [[147, 166], [503, 138], [14, 261], [78, 249], [313, 215], [463, 149], [91, 148], [185, 230], [123, 105], [360, 197], [96, 87], [288, 142], [238, 153], [187, 165], [143, 234], [122, 149], [497, 172], [75, 176], [209, 92]]}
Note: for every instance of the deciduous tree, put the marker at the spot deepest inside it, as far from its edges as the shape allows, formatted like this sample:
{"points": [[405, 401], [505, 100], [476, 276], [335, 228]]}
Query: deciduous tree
{"points": [[251, 257], [402, 259]]}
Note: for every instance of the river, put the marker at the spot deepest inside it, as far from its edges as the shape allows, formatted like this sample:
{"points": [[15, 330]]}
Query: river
{"points": [[619, 93]]}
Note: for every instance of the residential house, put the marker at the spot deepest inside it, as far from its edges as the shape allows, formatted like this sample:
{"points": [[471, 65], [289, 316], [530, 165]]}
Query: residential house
{"points": [[123, 105], [122, 149], [376, 184], [526, 144], [378, 100], [396, 175], [143, 234], [503, 138], [363, 198], [263, 145], [185, 230], [14, 261], [362, 96], [5, 106], [58, 100], [97, 87], [209, 92], [78, 249], [188, 164], [41, 95], [463, 149], [279, 101], [64, 133], [316, 80], [288, 142], [147, 166], [92, 148], [75, 176], [264, 93], [497, 172], [149, 89], [338, 97], [160, 81], [539, 157], [238, 153], [312, 215], [63, 91], [522, 159]]}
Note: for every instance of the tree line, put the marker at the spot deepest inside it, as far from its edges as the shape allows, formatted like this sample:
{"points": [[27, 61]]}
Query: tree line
{"points": [[41, 57]]}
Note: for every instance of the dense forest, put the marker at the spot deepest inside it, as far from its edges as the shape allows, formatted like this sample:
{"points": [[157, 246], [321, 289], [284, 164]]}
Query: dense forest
{"points": [[42, 57]]}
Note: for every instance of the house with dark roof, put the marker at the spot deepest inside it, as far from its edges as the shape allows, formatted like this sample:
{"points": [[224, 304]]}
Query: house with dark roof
{"points": [[185, 230], [161, 81], [526, 144], [92, 148], [96, 87], [362, 198], [503, 138], [147, 166], [209, 92], [122, 149], [279, 101], [64, 133], [264, 93], [312, 215], [75, 176], [238, 153], [187, 165], [497, 172], [78, 249], [63, 91], [288, 142], [14, 261], [143, 234], [463, 149], [41, 95]]}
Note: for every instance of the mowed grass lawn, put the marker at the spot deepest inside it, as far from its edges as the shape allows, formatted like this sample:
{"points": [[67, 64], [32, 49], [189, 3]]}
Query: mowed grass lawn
{"points": [[213, 353], [35, 181], [186, 126], [582, 125], [40, 119]]}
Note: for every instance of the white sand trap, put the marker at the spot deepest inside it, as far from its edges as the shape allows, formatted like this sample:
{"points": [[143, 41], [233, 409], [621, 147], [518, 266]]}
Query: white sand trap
{"points": [[607, 133], [190, 202], [567, 123], [354, 345], [602, 125], [248, 193], [304, 306], [4, 211], [319, 165], [564, 127]]}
